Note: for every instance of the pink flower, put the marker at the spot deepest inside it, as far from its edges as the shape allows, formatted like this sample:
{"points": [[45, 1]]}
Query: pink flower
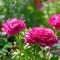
{"points": [[13, 26], [54, 21], [40, 7], [51, 0], [42, 36]]}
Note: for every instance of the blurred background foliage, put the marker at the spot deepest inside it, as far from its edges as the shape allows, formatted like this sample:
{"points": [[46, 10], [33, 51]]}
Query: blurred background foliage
{"points": [[27, 9]]}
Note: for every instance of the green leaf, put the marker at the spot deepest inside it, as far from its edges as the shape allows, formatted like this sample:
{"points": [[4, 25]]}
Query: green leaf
{"points": [[54, 58]]}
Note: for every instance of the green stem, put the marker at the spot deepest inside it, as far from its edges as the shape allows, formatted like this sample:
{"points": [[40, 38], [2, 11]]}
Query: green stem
{"points": [[35, 52], [21, 48], [19, 45]]}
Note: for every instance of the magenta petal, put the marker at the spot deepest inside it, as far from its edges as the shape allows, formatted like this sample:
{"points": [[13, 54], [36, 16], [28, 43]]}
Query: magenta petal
{"points": [[42, 36], [13, 26]]}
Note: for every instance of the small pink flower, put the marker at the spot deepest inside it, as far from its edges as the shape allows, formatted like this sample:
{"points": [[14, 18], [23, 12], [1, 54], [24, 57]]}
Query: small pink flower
{"points": [[54, 21], [51, 0], [40, 7], [13, 26], [42, 36]]}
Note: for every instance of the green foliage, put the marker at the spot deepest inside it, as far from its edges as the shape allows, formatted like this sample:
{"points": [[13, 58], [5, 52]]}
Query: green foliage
{"points": [[26, 9]]}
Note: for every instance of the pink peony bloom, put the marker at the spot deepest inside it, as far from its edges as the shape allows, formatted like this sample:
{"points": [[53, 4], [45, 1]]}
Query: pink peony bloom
{"points": [[42, 36], [13, 26], [54, 21]]}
